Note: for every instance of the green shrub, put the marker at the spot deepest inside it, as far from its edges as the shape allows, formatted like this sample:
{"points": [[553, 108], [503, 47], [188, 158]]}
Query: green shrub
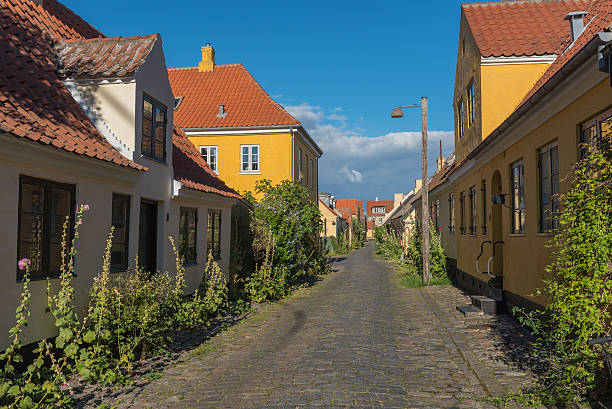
{"points": [[437, 256], [578, 285], [388, 244]]}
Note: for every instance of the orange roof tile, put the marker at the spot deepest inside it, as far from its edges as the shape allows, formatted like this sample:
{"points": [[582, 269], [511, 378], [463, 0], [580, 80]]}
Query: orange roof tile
{"points": [[599, 19], [192, 170], [34, 104], [103, 57], [517, 28], [246, 103]]}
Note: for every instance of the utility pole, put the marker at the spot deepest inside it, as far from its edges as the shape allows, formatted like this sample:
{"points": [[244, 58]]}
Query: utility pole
{"points": [[398, 113], [425, 194]]}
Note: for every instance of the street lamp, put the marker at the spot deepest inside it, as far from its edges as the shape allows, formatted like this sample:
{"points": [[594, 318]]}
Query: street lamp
{"points": [[398, 113]]}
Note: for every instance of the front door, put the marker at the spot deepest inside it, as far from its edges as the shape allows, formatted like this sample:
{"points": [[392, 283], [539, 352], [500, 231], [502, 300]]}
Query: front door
{"points": [[497, 267], [147, 236]]}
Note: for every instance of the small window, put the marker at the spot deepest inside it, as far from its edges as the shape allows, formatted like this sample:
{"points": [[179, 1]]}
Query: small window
{"points": [[177, 102], [460, 119], [121, 234], [310, 166], [518, 197], [301, 176], [462, 212], [435, 206], [548, 164], [483, 190], [210, 155], [153, 142], [595, 133], [44, 207], [463, 47], [249, 158], [471, 104], [473, 210], [188, 223], [451, 211], [214, 233]]}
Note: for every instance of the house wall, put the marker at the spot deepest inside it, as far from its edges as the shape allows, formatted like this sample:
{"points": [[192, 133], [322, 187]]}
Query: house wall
{"points": [[468, 69], [502, 89], [274, 160], [307, 154], [525, 256], [330, 221], [95, 183]]}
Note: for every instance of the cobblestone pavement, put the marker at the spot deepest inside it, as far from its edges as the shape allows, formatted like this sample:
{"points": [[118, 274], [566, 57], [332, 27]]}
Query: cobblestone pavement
{"points": [[357, 339]]}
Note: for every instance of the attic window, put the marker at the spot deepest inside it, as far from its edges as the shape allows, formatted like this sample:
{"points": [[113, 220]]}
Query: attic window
{"points": [[222, 113], [177, 102]]}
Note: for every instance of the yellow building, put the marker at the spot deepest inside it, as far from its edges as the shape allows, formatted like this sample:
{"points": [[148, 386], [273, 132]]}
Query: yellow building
{"points": [[242, 133], [518, 133]]}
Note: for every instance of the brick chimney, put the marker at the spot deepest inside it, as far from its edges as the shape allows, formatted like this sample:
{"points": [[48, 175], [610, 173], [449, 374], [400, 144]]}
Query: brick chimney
{"points": [[208, 59]]}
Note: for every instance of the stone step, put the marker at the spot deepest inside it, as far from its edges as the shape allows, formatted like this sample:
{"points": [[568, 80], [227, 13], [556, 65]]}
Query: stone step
{"points": [[469, 310], [486, 304]]}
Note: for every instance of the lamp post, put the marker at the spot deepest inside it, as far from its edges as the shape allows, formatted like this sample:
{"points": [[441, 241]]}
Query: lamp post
{"points": [[398, 113]]}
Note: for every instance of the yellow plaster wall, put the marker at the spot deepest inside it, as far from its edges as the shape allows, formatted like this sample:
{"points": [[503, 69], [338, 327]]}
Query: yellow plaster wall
{"points": [[330, 220], [502, 88], [525, 255], [274, 160], [307, 154]]}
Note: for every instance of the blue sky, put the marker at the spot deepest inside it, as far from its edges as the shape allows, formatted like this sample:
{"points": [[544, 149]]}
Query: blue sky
{"points": [[339, 66]]}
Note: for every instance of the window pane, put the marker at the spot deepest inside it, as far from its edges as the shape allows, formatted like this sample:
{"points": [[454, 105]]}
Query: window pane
{"points": [[32, 199], [204, 152], [554, 161], [147, 118], [33, 252], [147, 147], [59, 209], [255, 149], [245, 150], [55, 258], [255, 166]]}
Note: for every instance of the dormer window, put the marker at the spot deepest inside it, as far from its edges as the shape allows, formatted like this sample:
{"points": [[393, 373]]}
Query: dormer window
{"points": [[177, 102], [154, 120], [222, 113]]}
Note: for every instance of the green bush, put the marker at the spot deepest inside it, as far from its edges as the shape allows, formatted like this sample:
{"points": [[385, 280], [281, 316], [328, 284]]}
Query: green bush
{"points": [[437, 256], [340, 245], [388, 244], [578, 285]]}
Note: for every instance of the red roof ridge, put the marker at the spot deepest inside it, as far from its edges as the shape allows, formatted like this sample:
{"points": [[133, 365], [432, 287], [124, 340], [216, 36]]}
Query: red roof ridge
{"points": [[237, 64], [106, 39]]}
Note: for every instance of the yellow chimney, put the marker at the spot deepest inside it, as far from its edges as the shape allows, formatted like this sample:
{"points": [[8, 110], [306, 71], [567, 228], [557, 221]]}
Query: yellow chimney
{"points": [[208, 59]]}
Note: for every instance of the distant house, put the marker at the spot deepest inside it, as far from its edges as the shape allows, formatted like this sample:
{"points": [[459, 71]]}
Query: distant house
{"points": [[239, 129], [530, 96], [376, 212], [334, 224], [87, 119], [352, 211]]}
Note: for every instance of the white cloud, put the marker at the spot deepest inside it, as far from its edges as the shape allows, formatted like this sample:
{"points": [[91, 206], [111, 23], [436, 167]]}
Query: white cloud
{"points": [[351, 175], [356, 165]]}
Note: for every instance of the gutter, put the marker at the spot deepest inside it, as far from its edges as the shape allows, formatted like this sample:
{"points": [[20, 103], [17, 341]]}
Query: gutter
{"points": [[580, 58], [292, 171]]}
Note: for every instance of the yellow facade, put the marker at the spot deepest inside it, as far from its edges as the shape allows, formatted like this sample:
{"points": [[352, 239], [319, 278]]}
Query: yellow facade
{"points": [[276, 151], [524, 256], [503, 86]]}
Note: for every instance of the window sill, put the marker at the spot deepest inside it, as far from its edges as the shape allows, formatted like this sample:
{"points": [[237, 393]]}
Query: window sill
{"points": [[42, 278], [249, 173], [160, 161], [547, 234], [189, 264], [517, 235], [119, 270]]}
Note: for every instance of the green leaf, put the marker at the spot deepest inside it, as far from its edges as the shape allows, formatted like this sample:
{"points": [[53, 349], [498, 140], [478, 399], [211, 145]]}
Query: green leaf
{"points": [[26, 403], [89, 336]]}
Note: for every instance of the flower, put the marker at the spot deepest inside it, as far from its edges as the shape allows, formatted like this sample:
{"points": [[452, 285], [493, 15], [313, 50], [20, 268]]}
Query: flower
{"points": [[86, 207], [23, 263]]}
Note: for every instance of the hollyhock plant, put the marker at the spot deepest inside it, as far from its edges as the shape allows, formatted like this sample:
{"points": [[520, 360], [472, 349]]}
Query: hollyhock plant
{"points": [[23, 263]]}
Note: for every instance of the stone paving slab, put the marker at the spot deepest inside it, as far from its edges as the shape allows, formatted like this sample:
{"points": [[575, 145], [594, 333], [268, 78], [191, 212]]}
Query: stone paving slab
{"points": [[357, 339]]}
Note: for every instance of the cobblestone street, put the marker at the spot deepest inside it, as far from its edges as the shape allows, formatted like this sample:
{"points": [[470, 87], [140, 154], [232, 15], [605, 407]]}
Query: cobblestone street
{"points": [[356, 339]]}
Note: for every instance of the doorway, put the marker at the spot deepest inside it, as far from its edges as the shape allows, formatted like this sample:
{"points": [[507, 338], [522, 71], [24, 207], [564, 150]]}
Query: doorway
{"points": [[147, 236], [497, 233]]}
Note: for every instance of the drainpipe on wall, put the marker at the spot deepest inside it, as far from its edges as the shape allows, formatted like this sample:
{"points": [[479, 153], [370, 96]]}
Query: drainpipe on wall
{"points": [[292, 153]]}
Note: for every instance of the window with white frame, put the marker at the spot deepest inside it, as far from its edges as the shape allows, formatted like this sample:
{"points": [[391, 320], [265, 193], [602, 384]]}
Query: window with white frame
{"points": [[249, 158], [471, 104], [378, 209], [461, 118], [518, 196], [595, 134], [210, 155]]}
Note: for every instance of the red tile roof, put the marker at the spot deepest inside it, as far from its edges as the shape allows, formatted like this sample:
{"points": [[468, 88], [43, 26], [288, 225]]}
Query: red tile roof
{"points": [[245, 101], [103, 57], [388, 205], [192, 170], [351, 204], [599, 19], [34, 104], [515, 28]]}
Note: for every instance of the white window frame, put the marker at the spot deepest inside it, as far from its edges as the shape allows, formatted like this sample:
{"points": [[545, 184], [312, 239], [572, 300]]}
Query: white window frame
{"points": [[207, 157], [250, 161]]}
